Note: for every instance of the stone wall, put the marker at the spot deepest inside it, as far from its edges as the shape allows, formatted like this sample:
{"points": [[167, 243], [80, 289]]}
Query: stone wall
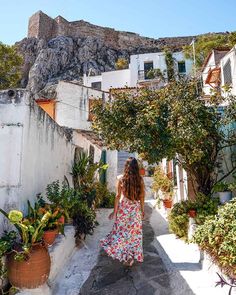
{"points": [[43, 26]]}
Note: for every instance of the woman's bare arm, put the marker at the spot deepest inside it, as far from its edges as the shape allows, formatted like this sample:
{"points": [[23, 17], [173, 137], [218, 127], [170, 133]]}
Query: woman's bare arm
{"points": [[142, 197], [117, 199]]}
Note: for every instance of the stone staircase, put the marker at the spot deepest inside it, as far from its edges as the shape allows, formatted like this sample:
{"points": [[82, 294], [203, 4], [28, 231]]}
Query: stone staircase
{"points": [[122, 157]]}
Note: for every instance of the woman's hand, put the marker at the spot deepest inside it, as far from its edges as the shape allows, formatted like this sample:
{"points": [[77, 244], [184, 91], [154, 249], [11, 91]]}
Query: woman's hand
{"points": [[143, 215], [112, 215]]}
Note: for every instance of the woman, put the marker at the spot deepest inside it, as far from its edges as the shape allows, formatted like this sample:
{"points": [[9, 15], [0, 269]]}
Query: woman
{"points": [[124, 242]]}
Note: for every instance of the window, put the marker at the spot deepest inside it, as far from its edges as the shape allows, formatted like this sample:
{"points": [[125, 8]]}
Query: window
{"points": [[181, 67], [227, 73], [147, 67], [96, 85]]}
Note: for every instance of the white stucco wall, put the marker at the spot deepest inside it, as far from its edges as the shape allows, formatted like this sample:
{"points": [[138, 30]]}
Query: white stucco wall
{"points": [[116, 79], [34, 151], [232, 57], [80, 141], [112, 79], [72, 106], [210, 65], [112, 160], [88, 80]]}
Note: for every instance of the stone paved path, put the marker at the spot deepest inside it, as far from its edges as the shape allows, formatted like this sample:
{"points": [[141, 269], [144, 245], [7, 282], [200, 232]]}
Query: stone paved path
{"points": [[110, 277]]}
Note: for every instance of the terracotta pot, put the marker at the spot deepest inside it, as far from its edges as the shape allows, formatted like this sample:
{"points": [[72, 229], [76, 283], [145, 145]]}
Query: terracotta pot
{"points": [[167, 203], [49, 236], [61, 220], [192, 213], [30, 273], [142, 171]]}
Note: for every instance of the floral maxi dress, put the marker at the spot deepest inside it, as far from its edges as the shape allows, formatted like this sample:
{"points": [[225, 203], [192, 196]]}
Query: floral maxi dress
{"points": [[124, 242]]}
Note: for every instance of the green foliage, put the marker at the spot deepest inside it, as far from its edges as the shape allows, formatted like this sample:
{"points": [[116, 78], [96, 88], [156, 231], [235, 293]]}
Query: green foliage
{"points": [[121, 64], [206, 43], [10, 66], [104, 198], [217, 237], [84, 220], [162, 123], [179, 218], [30, 230], [63, 197], [163, 183], [40, 208], [170, 64], [155, 73], [84, 177], [223, 186], [7, 242]]}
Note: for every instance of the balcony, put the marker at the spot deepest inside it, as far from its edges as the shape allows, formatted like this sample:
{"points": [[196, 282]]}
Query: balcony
{"points": [[150, 80]]}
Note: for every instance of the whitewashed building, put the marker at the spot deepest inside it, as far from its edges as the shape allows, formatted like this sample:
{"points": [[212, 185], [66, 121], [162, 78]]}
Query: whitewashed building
{"points": [[212, 71], [228, 69], [136, 75]]}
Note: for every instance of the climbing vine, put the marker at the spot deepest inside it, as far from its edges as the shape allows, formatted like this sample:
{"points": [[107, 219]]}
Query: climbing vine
{"points": [[170, 64]]}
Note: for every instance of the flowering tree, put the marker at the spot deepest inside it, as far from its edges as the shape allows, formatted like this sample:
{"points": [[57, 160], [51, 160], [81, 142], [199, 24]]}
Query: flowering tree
{"points": [[163, 123]]}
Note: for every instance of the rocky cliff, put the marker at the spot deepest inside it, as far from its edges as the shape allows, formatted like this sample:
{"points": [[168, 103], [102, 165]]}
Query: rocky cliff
{"points": [[61, 50]]}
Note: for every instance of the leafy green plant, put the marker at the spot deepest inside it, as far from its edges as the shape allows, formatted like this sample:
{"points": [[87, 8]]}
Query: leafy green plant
{"points": [[30, 230], [84, 177], [155, 73], [63, 197], [162, 182], [104, 198], [223, 186], [217, 237], [84, 220], [7, 242], [41, 208], [179, 216], [179, 220]]}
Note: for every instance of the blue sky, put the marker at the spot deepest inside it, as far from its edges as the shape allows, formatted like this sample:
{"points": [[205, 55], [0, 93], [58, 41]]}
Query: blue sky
{"points": [[151, 18]]}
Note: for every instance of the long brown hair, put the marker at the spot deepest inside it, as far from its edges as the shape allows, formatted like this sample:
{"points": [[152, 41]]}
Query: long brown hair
{"points": [[131, 180]]}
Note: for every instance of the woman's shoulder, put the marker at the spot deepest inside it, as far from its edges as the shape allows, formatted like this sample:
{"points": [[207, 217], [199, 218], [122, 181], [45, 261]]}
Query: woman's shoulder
{"points": [[119, 177]]}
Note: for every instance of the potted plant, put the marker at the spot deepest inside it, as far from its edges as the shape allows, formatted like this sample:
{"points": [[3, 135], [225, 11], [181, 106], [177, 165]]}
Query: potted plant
{"points": [[165, 185], [192, 213], [27, 260], [53, 228], [64, 198], [141, 167], [224, 190]]}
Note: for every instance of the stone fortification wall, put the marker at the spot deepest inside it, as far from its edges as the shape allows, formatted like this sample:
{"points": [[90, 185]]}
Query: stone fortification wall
{"points": [[43, 26]]}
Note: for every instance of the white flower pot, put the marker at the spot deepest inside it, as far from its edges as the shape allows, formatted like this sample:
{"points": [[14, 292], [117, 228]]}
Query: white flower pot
{"points": [[225, 197]]}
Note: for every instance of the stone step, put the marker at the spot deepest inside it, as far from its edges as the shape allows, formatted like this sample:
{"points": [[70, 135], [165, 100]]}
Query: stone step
{"points": [[60, 252], [122, 157]]}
